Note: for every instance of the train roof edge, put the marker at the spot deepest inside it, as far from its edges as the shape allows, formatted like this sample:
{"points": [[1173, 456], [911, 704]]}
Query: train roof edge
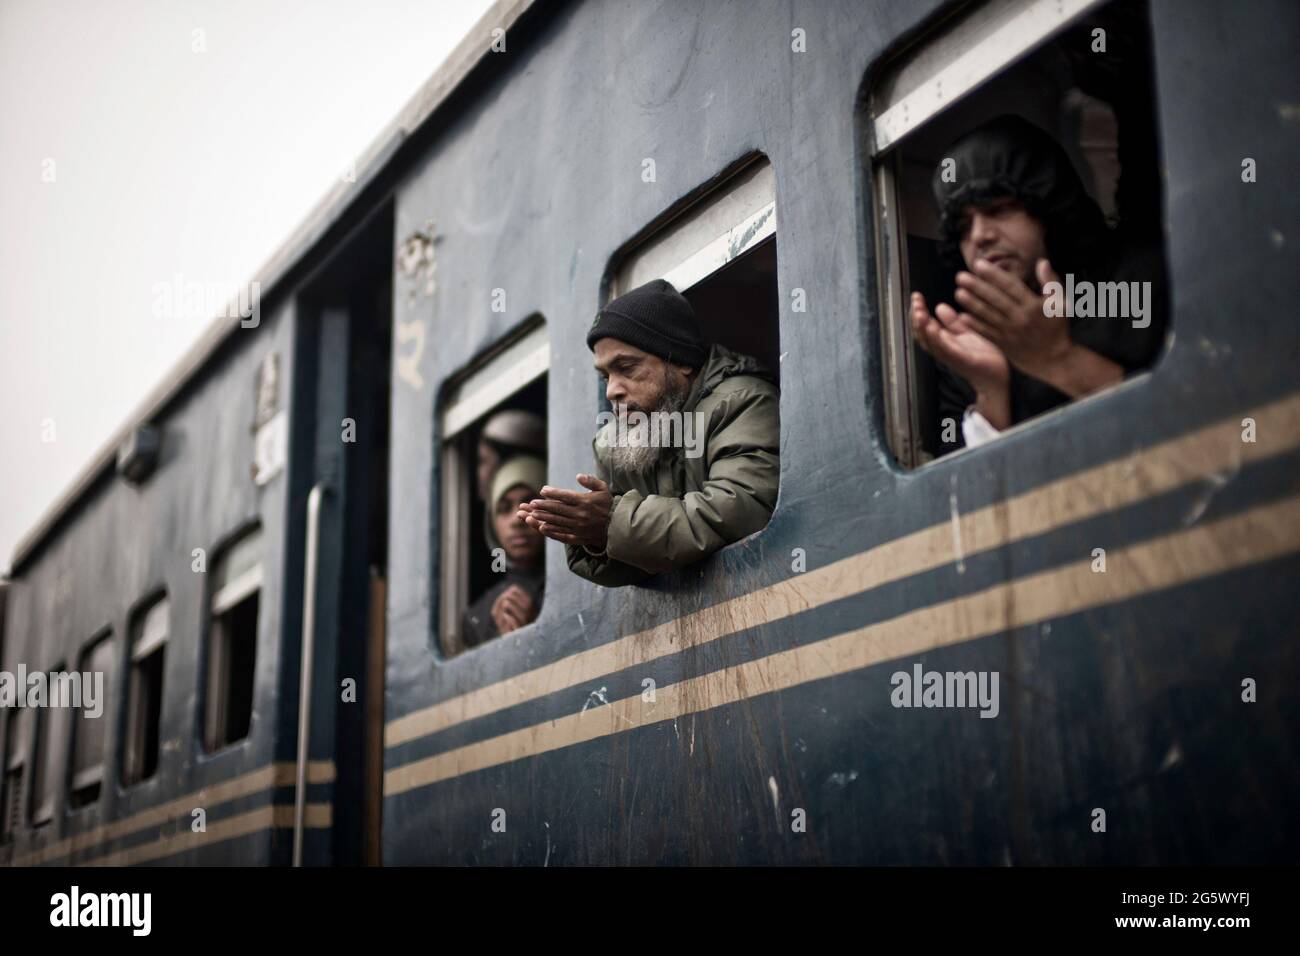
{"points": [[419, 109]]}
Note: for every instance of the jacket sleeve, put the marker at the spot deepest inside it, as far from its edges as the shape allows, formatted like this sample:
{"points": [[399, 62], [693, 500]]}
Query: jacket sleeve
{"points": [[601, 569], [476, 624], [742, 451]]}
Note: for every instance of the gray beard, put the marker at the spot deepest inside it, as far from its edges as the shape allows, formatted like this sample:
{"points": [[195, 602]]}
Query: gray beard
{"points": [[636, 454], [634, 458]]}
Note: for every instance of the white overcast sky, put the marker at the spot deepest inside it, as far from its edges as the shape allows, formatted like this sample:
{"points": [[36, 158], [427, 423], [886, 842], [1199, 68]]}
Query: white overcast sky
{"points": [[166, 161]]}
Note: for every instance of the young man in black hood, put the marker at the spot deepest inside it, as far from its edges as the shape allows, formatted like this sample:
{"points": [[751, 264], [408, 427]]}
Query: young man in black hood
{"points": [[1013, 211]]}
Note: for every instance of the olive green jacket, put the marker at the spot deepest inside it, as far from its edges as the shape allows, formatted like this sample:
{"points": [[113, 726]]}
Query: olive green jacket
{"points": [[687, 508]]}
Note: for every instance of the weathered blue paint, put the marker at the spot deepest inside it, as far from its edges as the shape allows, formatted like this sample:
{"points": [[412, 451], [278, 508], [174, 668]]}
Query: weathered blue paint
{"points": [[531, 175], [538, 187]]}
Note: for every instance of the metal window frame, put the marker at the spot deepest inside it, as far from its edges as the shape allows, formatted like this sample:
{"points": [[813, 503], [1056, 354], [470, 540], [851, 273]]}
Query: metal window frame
{"points": [[151, 631], [902, 414], [228, 594], [516, 363], [52, 742], [16, 749], [936, 72], [454, 522], [85, 777], [237, 590], [133, 754], [137, 703], [967, 50], [90, 777], [727, 222], [214, 720], [14, 780], [12, 818], [522, 360]]}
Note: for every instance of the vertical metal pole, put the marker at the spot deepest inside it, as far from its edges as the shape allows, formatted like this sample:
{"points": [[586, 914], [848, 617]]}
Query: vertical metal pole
{"points": [[305, 664]]}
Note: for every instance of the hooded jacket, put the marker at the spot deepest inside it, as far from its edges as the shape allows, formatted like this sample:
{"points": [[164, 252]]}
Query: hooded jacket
{"points": [[477, 624], [686, 508], [1009, 156]]}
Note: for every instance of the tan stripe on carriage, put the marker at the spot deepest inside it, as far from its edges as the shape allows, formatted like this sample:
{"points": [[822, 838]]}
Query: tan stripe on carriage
{"points": [[1211, 451], [179, 809], [1225, 545], [280, 816]]}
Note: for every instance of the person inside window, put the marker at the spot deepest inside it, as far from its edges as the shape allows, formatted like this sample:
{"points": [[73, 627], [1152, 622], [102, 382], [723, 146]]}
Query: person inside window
{"points": [[510, 432], [516, 598], [654, 506], [1014, 212]]}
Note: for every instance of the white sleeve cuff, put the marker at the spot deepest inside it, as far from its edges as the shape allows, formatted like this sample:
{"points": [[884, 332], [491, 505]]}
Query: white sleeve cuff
{"points": [[975, 429]]}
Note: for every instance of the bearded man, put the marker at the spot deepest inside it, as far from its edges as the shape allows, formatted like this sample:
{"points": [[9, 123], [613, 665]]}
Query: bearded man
{"points": [[653, 505]]}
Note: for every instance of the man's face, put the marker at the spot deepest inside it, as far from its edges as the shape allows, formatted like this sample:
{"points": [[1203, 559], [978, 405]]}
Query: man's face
{"points": [[636, 379], [488, 461], [522, 543], [1004, 234]]}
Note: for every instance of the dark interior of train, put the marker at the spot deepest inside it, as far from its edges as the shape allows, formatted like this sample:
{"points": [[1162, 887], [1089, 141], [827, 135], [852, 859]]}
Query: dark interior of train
{"points": [[1101, 109], [48, 754], [87, 774], [144, 693], [238, 632], [231, 642], [737, 305]]}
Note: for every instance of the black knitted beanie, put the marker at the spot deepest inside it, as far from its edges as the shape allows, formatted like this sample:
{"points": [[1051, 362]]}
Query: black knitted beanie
{"points": [[655, 318]]}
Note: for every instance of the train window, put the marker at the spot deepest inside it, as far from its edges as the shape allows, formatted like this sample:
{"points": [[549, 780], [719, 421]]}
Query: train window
{"points": [[11, 807], [144, 692], [720, 253], [88, 731], [232, 641], [1016, 185], [51, 751], [717, 251], [492, 426]]}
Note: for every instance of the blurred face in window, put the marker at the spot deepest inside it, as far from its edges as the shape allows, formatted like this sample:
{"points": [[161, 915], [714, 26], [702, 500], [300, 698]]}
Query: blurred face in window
{"points": [[486, 467], [1004, 234], [522, 544]]}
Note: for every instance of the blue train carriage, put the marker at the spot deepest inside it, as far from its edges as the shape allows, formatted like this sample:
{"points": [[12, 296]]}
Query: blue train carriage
{"points": [[1122, 563], [300, 498], [177, 568]]}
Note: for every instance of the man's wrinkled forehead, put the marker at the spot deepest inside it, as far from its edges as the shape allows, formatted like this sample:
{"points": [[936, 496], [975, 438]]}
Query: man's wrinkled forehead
{"points": [[610, 350]]}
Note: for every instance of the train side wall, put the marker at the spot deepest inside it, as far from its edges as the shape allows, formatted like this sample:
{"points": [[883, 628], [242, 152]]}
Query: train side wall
{"points": [[1120, 693]]}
